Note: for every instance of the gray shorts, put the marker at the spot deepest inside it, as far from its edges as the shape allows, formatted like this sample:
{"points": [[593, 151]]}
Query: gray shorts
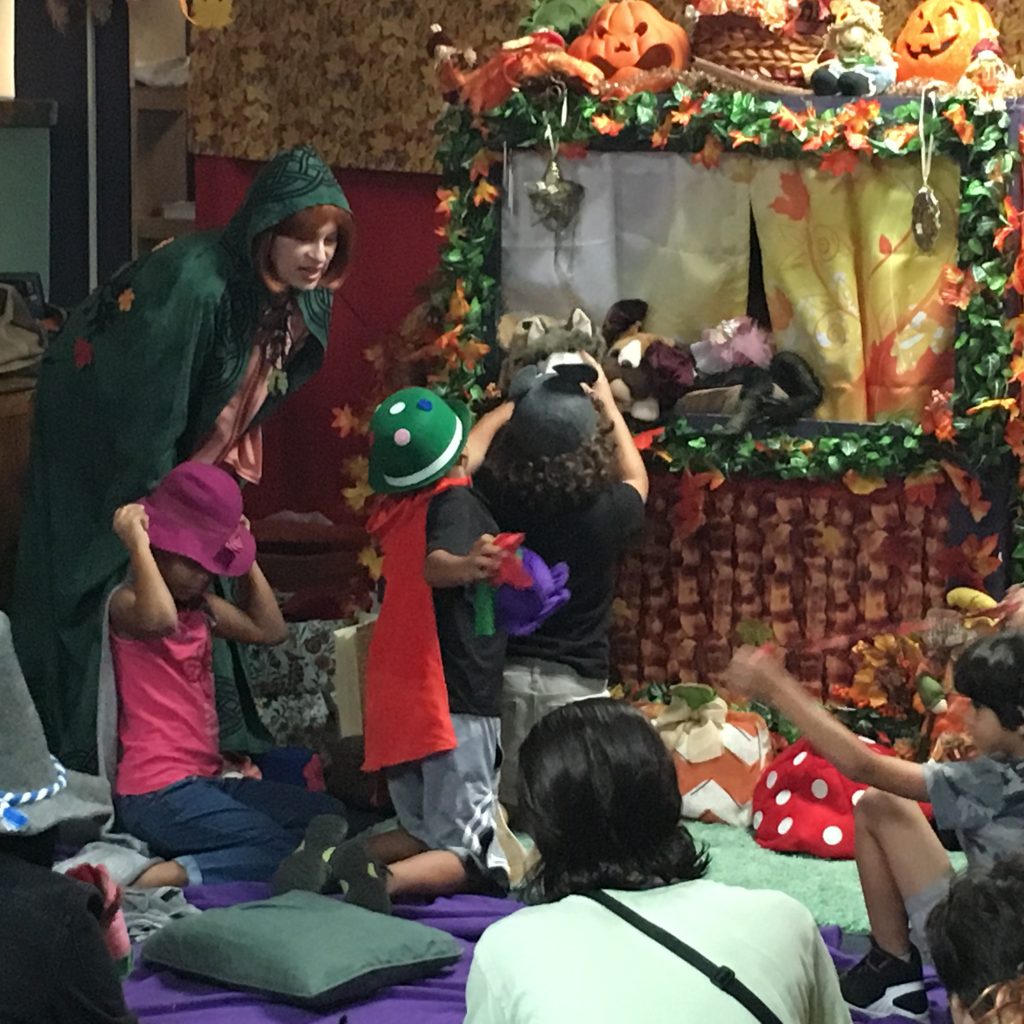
{"points": [[533, 688], [448, 801], [919, 905]]}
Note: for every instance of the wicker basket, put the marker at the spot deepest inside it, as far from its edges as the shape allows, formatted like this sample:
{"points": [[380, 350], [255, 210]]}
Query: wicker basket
{"points": [[742, 43]]}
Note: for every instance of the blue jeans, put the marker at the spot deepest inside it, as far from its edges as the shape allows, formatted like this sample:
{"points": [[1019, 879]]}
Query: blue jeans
{"points": [[226, 830]]}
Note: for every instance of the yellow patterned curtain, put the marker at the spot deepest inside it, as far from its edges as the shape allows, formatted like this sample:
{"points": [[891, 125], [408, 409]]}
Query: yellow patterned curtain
{"points": [[848, 287]]}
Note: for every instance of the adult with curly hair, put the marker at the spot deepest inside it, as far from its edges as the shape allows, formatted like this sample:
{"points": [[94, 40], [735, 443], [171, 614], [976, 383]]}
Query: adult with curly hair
{"points": [[598, 793], [976, 937], [564, 470]]}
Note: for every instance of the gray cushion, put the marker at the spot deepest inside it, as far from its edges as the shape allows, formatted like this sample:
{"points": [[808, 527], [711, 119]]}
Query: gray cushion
{"points": [[302, 948]]}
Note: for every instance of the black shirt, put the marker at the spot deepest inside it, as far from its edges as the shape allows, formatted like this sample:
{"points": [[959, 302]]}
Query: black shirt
{"points": [[473, 665], [590, 540], [54, 966]]}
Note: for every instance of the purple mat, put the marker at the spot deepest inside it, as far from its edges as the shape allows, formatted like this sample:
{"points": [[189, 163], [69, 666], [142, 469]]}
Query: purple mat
{"points": [[160, 995]]}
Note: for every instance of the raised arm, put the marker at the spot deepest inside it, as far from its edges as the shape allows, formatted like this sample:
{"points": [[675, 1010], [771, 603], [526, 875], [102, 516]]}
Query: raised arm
{"points": [[756, 673], [144, 607], [256, 619], [443, 569], [630, 462], [483, 433]]}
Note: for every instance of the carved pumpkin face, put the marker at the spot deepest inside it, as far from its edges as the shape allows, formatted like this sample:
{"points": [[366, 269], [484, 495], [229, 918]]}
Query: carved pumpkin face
{"points": [[939, 37], [629, 36]]}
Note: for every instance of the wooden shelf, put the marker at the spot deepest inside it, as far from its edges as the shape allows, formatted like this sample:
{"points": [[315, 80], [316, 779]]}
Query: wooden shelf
{"points": [[148, 97], [158, 228]]}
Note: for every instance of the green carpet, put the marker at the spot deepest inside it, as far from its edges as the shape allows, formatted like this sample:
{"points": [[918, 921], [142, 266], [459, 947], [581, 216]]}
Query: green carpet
{"points": [[828, 888]]}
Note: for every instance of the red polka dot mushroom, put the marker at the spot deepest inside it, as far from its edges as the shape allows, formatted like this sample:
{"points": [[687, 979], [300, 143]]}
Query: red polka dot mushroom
{"points": [[803, 804]]}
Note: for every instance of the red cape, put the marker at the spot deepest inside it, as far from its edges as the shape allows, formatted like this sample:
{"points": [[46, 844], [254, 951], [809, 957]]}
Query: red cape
{"points": [[405, 708]]}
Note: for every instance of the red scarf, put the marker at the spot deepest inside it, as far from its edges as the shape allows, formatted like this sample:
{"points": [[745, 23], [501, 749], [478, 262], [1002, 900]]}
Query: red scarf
{"points": [[405, 712]]}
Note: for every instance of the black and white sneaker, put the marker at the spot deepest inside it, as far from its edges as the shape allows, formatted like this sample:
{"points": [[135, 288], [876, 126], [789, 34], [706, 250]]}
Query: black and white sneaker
{"points": [[883, 984]]}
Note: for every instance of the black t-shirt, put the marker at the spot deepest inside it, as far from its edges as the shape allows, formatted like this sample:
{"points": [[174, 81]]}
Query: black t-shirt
{"points": [[473, 665], [54, 966], [590, 540]]}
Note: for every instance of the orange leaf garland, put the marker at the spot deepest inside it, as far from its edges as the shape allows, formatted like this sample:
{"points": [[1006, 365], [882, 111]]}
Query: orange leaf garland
{"points": [[957, 286], [345, 421], [1014, 436], [937, 417], [791, 120], [458, 307], [922, 488], [741, 139], [711, 155], [982, 555], [482, 162]]}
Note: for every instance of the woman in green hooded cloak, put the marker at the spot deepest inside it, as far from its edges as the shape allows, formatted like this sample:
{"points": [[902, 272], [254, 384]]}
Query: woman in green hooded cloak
{"points": [[180, 356]]}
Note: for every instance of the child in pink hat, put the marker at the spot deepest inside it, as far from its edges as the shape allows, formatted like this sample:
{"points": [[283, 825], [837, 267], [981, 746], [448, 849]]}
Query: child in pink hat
{"points": [[170, 785]]}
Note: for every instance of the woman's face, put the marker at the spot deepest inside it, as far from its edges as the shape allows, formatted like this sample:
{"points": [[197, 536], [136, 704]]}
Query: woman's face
{"points": [[301, 264]]}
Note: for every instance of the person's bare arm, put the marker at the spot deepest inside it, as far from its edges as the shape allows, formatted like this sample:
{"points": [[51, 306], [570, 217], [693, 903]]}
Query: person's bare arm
{"points": [[630, 462], [256, 619], [483, 433], [443, 569], [756, 673], [144, 607]]}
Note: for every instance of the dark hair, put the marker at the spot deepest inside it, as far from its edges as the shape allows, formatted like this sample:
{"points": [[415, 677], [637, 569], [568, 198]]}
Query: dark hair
{"points": [[551, 484], [304, 226], [991, 673], [975, 933], [599, 795]]}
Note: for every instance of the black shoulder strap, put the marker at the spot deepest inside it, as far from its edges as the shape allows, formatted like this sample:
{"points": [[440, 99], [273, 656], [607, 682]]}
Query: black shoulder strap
{"points": [[720, 976]]}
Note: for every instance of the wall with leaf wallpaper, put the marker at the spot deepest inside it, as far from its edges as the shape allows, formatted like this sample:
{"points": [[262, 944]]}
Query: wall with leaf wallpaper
{"points": [[355, 80]]}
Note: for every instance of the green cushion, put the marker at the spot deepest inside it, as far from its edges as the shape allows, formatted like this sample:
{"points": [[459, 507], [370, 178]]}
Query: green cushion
{"points": [[302, 948]]}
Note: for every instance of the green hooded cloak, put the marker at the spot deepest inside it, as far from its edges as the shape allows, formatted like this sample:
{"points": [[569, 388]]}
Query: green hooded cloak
{"points": [[130, 386]]}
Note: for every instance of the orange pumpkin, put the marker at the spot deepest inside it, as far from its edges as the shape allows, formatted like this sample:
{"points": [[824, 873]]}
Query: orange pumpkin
{"points": [[629, 36], [939, 37]]}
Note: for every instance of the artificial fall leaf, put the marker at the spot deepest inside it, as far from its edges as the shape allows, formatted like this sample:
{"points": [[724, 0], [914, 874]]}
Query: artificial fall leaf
{"points": [[81, 353], [1014, 437], [982, 555], [1017, 326], [660, 136], [992, 403], [644, 440], [357, 468], [605, 125], [484, 192], [790, 120], [937, 417], [822, 137], [482, 162], [921, 488], [622, 613], [897, 136], [795, 201], [446, 198], [1017, 369], [458, 307], [741, 139], [689, 511], [857, 142], [857, 484], [962, 125], [969, 489], [374, 355], [371, 561], [345, 421], [1012, 225], [839, 162], [710, 155], [471, 352], [1017, 277], [859, 116], [125, 300], [688, 109], [357, 495], [957, 286]]}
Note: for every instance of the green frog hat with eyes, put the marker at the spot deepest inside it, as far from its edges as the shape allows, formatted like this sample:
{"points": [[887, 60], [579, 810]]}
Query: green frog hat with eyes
{"points": [[416, 438]]}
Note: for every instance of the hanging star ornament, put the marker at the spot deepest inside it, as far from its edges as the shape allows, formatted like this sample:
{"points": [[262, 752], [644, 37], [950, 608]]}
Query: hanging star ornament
{"points": [[555, 201]]}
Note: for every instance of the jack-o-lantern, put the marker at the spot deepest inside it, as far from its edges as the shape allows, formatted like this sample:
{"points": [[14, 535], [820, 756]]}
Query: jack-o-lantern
{"points": [[627, 36], [939, 38]]}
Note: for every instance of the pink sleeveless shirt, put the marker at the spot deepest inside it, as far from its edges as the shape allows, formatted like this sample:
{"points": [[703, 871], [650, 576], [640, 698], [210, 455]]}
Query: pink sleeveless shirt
{"points": [[167, 713]]}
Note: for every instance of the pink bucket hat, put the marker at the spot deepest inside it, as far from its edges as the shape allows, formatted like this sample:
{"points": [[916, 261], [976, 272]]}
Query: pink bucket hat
{"points": [[195, 511]]}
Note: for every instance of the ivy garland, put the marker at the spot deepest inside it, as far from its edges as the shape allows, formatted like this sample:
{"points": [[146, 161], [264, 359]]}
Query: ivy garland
{"points": [[976, 430]]}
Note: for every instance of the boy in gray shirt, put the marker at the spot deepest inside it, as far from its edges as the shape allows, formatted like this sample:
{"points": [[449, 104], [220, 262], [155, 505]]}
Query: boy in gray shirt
{"points": [[904, 870]]}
